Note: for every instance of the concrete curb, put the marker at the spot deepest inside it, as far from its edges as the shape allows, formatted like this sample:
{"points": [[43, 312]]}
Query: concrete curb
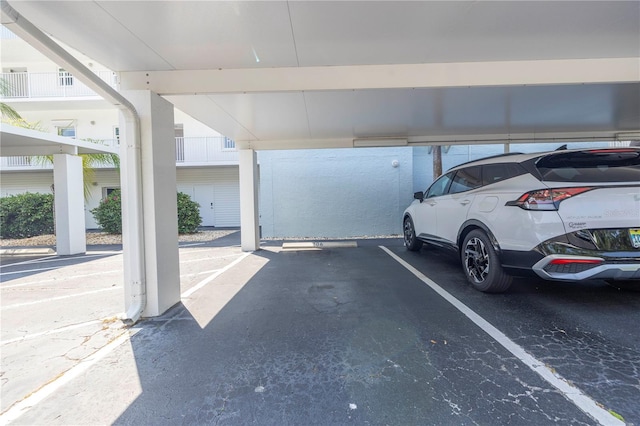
{"points": [[26, 251]]}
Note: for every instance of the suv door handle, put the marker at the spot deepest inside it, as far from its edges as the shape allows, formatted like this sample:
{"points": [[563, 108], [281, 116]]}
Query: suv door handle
{"points": [[465, 202]]}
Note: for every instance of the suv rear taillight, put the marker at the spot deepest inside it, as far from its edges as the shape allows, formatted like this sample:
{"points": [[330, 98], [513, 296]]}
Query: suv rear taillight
{"points": [[547, 199]]}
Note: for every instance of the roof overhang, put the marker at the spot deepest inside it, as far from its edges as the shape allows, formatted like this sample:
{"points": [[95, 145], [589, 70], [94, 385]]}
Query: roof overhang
{"points": [[16, 141]]}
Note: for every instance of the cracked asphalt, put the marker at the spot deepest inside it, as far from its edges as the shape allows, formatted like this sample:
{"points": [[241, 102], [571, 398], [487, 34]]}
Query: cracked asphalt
{"points": [[318, 337]]}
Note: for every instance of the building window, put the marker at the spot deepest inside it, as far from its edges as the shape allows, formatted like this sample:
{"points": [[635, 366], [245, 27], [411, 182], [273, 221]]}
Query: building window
{"points": [[228, 143], [107, 190], [64, 77], [69, 132]]}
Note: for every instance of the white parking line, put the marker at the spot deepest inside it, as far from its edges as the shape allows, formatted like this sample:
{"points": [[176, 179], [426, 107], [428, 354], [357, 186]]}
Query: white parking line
{"points": [[199, 273], [191, 245], [53, 299], [28, 270], [572, 393], [202, 259], [55, 259], [212, 277], [66, 279], [36, 397], [48, 332]]}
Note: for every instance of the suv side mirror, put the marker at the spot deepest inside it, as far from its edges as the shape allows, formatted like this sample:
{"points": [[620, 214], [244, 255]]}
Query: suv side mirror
{"points": [[418, 195]]}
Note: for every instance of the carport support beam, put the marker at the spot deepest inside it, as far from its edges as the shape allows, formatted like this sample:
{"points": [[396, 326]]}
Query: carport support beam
{"points": [[69, 204], [249, 229]]}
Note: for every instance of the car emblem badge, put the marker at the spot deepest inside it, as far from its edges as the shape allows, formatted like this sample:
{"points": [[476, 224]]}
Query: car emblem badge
{"points": [[634, 235]]}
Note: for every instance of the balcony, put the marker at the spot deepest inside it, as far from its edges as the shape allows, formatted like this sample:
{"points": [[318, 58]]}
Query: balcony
{"points": [[190, 152], [27, 85], [205, 151]]}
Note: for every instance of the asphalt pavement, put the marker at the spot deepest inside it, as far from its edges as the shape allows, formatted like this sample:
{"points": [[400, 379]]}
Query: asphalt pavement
{"points": [[325, 336]]}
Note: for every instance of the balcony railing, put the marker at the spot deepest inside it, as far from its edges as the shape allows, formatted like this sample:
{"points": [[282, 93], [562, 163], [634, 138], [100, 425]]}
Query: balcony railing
{"points": [[192, 151], [205, 150], [49, 85]]}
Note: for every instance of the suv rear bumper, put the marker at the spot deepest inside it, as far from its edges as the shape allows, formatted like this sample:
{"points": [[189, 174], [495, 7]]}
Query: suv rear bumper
{"points": [[580, 255], [578, 268]]}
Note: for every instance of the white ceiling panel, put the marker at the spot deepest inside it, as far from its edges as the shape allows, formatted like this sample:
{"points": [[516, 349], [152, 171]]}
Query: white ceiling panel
{"points": [[92, 31], [210, 35], [362, 33], [250, 116], [268, 115], [423, 112], [208, 112]]}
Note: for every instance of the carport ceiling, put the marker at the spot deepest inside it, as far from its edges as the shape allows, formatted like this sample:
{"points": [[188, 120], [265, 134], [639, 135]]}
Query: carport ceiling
{"points": [[276, 74]]}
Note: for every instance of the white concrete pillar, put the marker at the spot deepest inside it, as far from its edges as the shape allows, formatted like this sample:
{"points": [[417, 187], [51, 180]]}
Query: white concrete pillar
{"points": [[249, 228], [69, 204], [157, 239]]}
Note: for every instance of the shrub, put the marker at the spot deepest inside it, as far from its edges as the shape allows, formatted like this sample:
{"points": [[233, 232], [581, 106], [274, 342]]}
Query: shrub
{"points": [[108, 214], [188, 214], [26, 215]]}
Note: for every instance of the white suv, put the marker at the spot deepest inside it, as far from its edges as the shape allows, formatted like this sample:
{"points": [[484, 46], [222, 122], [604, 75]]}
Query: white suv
{"points": [[565, 215]]}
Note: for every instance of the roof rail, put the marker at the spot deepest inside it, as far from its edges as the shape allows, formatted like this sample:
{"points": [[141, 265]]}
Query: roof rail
{"points": [[507, 154]]}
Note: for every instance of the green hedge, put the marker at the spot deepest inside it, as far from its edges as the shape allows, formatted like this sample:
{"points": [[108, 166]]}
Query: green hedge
{"points": [[26, 215], [108, 214]]}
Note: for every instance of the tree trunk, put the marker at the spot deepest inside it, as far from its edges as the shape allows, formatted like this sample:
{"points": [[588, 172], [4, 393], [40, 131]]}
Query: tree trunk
{"points": [[437, 161]]}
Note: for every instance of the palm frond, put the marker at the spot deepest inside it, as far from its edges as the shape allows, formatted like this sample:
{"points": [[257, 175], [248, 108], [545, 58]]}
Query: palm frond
{"points": [[8, 113]]}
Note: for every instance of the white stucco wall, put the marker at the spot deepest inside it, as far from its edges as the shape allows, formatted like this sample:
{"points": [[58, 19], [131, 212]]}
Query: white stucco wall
{"points": [[334, 193], [90, 123]]}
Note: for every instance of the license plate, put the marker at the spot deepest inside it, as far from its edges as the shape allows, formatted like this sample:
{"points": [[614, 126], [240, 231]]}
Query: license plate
{"points": [[634, 234]]}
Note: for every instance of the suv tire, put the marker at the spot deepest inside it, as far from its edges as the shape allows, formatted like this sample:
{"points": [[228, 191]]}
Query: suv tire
{"points": [[481, 264], [411, 242]]}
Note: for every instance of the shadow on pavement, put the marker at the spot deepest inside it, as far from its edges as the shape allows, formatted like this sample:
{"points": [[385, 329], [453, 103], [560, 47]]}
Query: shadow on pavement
{"points": [[329, 337]]}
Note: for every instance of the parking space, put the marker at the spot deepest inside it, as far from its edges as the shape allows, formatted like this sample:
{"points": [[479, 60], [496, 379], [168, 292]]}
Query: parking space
{"points": [[321, 336], [585, 332]]}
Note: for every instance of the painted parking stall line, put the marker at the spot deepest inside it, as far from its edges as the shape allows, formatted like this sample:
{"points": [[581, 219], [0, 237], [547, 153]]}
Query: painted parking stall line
{"points": [[53, 299], [21, 407], [212, 277], [572, 393], [58, 280], [60, 259], [28, 271], [54, 331]]}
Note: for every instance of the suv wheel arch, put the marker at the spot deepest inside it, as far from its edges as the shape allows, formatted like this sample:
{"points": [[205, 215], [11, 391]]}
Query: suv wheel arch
{"points": [[469, 226]]}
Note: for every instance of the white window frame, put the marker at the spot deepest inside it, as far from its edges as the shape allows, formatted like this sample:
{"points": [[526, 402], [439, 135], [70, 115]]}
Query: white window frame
{"points": [[60, 130], [106, 190], [65, 78]]}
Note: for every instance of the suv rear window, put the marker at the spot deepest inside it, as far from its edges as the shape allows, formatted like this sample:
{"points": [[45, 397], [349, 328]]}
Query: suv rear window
{"points": [[466, 179], [599, 165], [492, 173]]}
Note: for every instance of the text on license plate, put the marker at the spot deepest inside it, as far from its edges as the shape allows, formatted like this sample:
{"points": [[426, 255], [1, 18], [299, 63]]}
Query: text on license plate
{"points": [[634, 234]]}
